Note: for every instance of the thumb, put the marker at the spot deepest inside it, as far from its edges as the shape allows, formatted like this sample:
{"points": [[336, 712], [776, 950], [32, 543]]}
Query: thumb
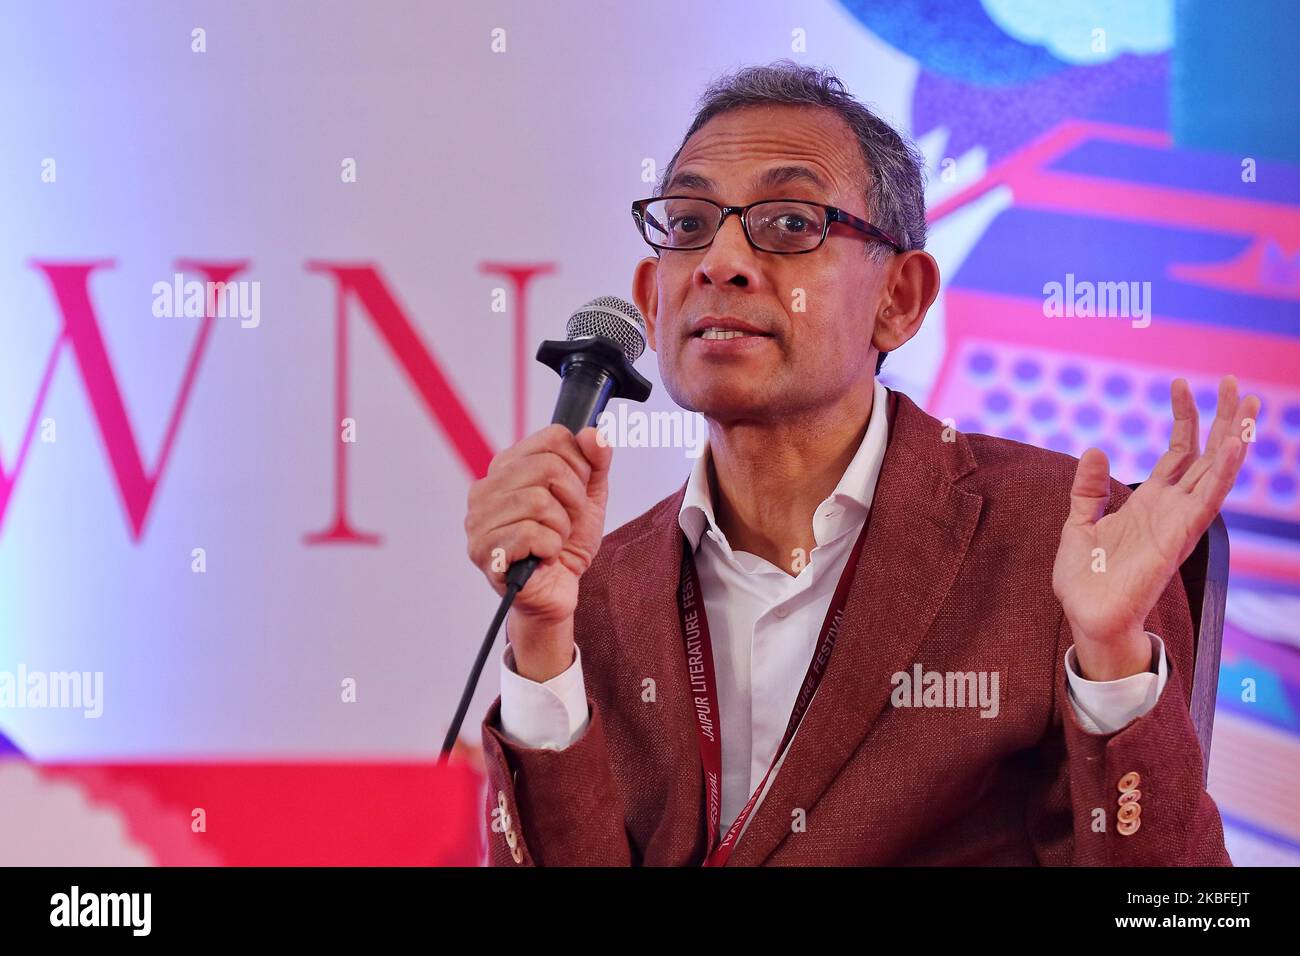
{"points": [[599, 455], [1090, 493]]}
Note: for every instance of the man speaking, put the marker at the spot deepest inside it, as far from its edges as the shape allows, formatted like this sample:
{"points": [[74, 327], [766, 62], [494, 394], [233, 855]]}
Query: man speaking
{"points": [[854, 636]]}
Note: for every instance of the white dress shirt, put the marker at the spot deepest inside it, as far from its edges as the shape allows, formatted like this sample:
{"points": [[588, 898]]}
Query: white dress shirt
{"points": [[764, 626]]}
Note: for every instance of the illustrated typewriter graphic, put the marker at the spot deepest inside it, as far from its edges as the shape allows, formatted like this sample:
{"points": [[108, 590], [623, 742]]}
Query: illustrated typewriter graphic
{"points": [[1217, 261]]}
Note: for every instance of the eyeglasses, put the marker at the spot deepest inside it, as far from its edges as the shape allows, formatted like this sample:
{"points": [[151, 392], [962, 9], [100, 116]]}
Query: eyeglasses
{"points": [[783, 226]]}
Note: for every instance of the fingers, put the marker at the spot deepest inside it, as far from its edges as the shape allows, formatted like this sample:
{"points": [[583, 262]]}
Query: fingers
{"points": [[1225, 417], [530, 537], [600, 457], [535, 502], [518, 529], [1217, 481], [1225, 414], [574, 467], [553, 438], [541, 488], [1212, 477], [534, 494], [1246, 418], [1090, 494], [1184, 439], [546, 470]]}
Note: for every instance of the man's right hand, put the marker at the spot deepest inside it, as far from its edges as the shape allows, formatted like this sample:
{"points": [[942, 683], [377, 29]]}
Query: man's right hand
{"points": [[544, 496]]}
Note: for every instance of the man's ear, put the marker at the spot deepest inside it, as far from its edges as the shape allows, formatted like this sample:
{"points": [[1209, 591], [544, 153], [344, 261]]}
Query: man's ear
{"points": [[910, 288], [645, 293]]}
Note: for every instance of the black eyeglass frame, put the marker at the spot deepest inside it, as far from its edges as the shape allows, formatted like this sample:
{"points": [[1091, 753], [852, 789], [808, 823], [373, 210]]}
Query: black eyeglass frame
{"points": [[833, 214]]}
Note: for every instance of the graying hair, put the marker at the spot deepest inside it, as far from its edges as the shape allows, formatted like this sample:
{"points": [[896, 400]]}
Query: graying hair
{"points": [[894, 167]]}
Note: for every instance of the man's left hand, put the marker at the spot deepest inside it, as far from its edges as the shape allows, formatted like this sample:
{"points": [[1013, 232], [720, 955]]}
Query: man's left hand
{"points": [[1111, 569]]}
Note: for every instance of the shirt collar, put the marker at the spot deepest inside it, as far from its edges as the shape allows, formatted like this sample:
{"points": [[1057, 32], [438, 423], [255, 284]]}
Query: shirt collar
{"points": [[854, 493]]}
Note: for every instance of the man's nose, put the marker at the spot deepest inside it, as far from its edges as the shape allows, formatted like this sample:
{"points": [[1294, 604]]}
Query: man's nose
{"points": [[730, 258]]}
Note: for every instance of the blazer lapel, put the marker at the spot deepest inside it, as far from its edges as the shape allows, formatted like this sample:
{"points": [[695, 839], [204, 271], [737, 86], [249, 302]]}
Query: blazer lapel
{"points": [[921, 526], [648, 634]]}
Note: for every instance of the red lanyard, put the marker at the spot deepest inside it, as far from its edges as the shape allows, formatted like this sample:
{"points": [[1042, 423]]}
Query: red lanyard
{"points": [[703, 683]]}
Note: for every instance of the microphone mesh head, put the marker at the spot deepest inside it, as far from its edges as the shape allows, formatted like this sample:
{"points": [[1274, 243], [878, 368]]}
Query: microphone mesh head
{"points": [[613, 318]]}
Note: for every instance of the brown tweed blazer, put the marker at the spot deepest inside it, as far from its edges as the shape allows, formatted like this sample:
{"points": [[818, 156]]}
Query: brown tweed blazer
{"points": [[955, 575]]}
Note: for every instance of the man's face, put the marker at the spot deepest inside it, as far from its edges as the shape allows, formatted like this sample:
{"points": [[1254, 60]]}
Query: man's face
{"points": [[814, 312]]}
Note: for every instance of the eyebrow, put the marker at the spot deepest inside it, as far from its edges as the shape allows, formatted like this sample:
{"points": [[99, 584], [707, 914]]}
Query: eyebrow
{"points": [[776, 176], [781, 175], [690, 181]]}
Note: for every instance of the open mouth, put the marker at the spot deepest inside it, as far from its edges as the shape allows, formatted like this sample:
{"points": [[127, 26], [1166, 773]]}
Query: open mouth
{"points": [[721, 335]]}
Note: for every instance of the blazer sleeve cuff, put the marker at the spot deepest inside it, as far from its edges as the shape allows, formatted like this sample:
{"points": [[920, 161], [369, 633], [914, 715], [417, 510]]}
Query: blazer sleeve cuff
{"points": [[1104, 707], [543, 716]]}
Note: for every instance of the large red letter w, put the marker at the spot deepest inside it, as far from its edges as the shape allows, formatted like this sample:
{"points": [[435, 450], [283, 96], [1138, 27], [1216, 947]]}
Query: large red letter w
{"points": [[70, 282]]}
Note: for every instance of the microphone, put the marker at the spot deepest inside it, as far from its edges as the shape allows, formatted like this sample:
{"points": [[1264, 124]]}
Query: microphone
{"points": [[594, 363]]}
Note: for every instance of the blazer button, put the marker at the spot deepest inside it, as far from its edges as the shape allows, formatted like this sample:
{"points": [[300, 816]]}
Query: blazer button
{"points": [[1129, 812], [1129, 781], [516, 854], [1128, 827], [501, 800], [1130, 796], [512, 839]]}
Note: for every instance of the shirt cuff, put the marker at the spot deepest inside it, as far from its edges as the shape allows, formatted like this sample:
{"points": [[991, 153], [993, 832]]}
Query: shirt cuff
{"points": [[1104, 707], [546, 716]]}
